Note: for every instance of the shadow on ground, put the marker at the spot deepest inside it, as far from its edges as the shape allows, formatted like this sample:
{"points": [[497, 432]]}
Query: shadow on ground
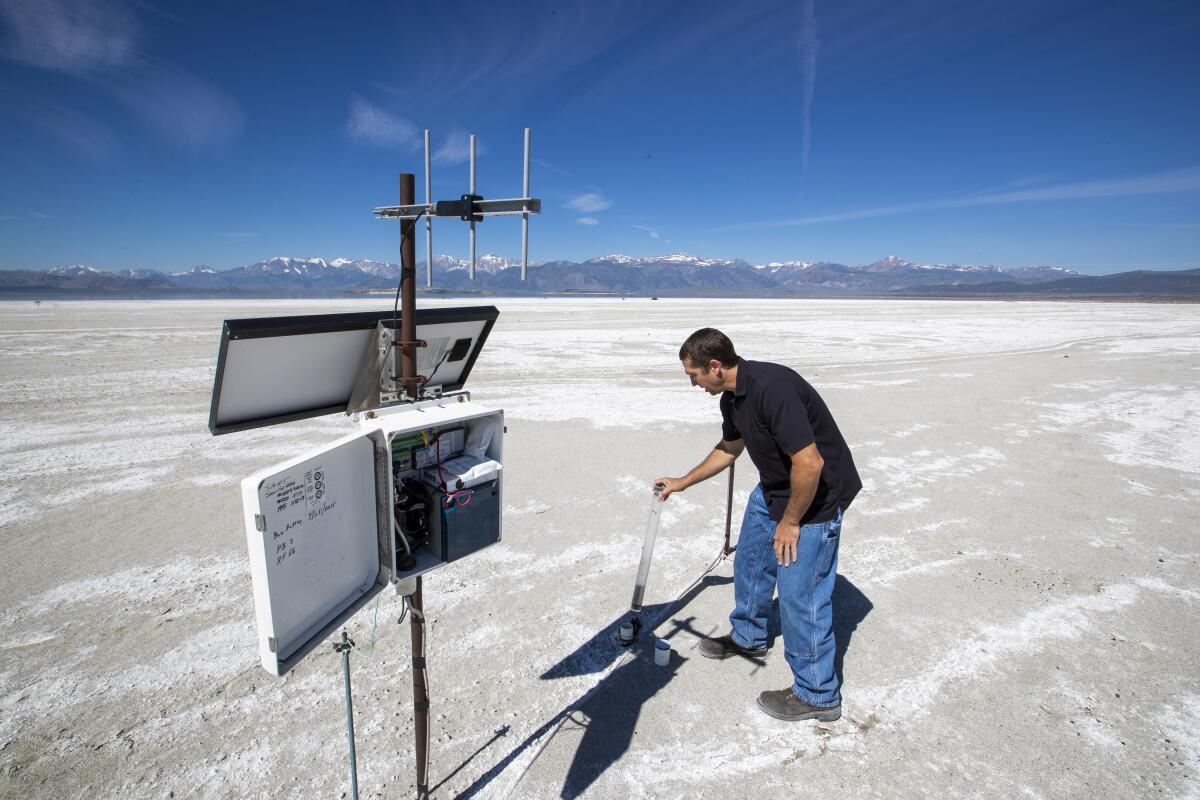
{"points": [[850, 607], [606, 716], [607, 738]]}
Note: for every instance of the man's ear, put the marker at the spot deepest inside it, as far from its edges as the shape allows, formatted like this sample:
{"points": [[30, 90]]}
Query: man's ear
{"points": [[715, 364]]}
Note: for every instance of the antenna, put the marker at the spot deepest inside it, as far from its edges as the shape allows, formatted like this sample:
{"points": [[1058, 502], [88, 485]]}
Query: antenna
{"points": [[470, 207], [473, 195], [525, 216], [429, 220]]}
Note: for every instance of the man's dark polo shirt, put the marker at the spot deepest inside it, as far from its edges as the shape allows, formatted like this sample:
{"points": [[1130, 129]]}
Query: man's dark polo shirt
{"points": [[777, 413]]}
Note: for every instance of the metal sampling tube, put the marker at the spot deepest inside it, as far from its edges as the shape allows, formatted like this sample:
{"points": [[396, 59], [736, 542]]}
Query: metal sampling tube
{"points": [[639, 588]]}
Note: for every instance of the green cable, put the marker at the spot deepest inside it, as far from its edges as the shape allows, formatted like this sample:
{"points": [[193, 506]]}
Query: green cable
{"points": [[374, 622]]}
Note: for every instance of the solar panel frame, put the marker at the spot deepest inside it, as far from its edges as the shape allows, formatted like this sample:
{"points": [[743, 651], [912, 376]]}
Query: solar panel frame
{"points": [[238, 330]]}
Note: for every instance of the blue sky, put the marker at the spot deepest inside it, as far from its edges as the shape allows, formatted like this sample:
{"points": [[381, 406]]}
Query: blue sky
{"points": [[1017, 133]]}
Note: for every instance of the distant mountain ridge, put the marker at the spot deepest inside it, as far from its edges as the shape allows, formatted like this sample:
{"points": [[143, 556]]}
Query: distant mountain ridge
{"points": [[673, 274]]}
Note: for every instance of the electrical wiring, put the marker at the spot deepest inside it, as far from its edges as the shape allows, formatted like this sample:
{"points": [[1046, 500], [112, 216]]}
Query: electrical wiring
{"points": [[399, 286], [374, 622], [400, 282], [437, 443], [400, 532], [458, 499], [403, 614], [435, 369], [721, 556]]}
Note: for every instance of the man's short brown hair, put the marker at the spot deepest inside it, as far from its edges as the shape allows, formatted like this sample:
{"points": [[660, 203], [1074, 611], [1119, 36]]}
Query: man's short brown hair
{"points": [[706, 344]]}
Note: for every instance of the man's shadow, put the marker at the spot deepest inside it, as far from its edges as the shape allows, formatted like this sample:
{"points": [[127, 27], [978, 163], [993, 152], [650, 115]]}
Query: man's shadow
{"points": [[850, 607], [607, 716]]}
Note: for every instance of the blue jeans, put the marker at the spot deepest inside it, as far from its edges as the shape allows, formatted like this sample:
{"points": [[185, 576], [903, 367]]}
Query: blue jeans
{"points": [[805, 598]]}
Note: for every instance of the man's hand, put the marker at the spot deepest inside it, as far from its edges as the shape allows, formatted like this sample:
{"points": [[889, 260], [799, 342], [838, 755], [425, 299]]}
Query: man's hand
{"points": [[786, 537], [724, 454], [669, 485]]}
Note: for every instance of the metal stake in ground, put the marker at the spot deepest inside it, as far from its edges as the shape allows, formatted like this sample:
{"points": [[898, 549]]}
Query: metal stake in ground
{"points": [[344, 647]]}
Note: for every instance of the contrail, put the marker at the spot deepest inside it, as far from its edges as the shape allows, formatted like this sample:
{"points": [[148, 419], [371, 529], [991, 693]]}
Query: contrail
{"points": [[1181, 180], [809, 45]]}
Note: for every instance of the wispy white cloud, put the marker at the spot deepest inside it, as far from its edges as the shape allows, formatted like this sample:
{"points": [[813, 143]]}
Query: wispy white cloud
{"points": [[98, 41], [1179, 226], [1019, 183], [482, 52], [1184, 180], [588, 221], [187, 110], [1181, 180], [654, 234], [370, 124], [809, 46], [74, 36], [79, 131], [742, 33], [589, 203], [551, 167], [456, 148], [26, 215]]}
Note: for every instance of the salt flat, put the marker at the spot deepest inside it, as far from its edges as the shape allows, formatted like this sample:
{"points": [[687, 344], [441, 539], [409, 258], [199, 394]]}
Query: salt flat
{"points": [[1017, 603]]}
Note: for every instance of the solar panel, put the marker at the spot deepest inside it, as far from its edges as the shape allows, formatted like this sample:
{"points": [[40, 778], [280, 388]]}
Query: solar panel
{"points": [[279, 369]]}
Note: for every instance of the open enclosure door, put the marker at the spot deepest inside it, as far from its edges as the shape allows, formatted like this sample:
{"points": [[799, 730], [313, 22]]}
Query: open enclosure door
{"points": [[317, 543]]}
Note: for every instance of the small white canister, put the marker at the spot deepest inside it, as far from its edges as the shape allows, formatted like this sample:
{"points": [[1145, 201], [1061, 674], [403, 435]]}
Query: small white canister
{"points": [[662, 652]]}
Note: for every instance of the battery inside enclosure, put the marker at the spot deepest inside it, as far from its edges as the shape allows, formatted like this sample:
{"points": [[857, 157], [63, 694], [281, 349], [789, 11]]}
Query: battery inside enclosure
{"points": [[465, 521]]}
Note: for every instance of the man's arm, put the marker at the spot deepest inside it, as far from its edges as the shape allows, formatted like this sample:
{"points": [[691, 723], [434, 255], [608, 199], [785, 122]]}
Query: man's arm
{"points": [[805, 477], [724, 454]]}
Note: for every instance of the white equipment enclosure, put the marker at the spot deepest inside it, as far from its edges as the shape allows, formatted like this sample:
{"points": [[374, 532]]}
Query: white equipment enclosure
{"points": [[420, 484]]}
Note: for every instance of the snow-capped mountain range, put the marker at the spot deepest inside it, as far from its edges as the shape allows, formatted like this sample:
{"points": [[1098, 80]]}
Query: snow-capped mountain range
{"points": [[675, 273]]}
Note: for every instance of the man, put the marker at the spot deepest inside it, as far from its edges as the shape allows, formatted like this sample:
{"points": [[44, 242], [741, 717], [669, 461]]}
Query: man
{"points": [[792, 522]]}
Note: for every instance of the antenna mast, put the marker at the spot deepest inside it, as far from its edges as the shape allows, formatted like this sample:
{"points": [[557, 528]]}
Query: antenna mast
{"points": [[472, 208]]}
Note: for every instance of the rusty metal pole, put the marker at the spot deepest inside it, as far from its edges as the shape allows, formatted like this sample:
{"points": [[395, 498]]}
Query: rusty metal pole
{"points": [[416, 614], [408, 372], [408, 290]]}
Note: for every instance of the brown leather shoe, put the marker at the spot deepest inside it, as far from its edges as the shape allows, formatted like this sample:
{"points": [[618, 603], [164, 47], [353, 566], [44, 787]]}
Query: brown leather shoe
{"points": [[785, 705], [725, 646]]}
